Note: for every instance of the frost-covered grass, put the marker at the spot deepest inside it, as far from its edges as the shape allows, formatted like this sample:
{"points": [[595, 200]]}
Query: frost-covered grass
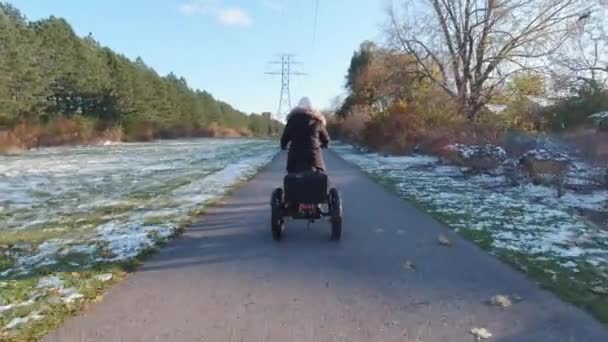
{"points": [[526, 226], [72, 215]]}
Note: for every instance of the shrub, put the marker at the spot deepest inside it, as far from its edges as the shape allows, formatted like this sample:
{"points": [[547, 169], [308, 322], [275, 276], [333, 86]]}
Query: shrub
{"points": [[483, 158], [403, 128], [575, 112], [350, 128], [397, 131]]}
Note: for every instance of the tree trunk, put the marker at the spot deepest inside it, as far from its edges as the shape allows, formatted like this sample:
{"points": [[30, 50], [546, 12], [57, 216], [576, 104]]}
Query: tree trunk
{"points": [[468, 106]]}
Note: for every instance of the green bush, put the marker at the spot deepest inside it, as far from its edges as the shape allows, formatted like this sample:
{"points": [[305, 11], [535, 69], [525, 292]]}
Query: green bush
{"points": [[575, 112]]}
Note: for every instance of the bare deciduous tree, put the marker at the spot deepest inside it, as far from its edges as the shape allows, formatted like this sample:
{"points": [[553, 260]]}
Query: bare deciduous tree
{"points": [[471, 47], [583, 60]]}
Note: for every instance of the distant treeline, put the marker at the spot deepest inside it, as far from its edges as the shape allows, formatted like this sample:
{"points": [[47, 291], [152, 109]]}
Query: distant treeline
{"points": [[53, 80]]}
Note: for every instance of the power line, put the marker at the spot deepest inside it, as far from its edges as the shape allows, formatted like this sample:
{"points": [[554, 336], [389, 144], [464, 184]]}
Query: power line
{"points": [[286, 62], [314, 32]]}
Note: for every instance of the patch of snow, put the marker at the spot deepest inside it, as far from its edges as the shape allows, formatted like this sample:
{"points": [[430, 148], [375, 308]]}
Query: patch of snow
{"points": [[448, 171], [110, 143], [8, 307], [529, 219], [543, 154], [15, 322], [104, 277], [600, 116], [597, 200], [541, 101], [127, 241], [470, 151], [56, 188], [497, 108], [596, 261], [43, 255], [48, 282], [488, 180], [79, 249], [70, 294], [415, 160]]}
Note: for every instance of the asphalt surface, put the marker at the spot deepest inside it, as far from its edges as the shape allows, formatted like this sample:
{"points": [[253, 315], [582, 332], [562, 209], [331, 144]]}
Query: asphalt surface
{"points": [[225, 279]]}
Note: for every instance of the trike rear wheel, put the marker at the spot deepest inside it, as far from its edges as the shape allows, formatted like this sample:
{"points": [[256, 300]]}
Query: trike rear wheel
{"points": [[335, 209], [277, 223]]}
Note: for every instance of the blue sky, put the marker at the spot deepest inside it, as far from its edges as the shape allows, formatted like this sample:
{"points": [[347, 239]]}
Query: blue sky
{"points": [[222, 46]]}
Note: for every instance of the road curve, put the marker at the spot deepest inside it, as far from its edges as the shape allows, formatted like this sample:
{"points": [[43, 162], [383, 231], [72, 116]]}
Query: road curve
{"points": [[225, 279]]}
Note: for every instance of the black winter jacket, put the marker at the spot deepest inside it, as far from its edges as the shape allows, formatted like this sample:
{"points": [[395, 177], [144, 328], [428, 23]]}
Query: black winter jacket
{"points": [[306, 135]]}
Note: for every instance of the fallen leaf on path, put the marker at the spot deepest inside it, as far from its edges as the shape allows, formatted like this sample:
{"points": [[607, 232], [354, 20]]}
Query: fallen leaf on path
{"points": [[481, 333], [501, 301], [408, 265], [391, 324], [443, 240]]}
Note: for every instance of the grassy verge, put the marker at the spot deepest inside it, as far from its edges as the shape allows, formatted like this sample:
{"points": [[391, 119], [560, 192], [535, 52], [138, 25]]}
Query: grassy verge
{"points": [[585, 286], [78, 271], [88, 283]]}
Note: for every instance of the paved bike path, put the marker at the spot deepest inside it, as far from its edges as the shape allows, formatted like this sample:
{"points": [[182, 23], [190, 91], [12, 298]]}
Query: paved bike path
{"points": [[225, 279]]}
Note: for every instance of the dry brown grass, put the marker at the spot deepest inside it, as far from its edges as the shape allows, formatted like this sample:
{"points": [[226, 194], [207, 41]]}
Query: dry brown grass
{"points": [[62, 131], [9, 143], [112, 134], [66, 131], [144, 132], [216, 131]]}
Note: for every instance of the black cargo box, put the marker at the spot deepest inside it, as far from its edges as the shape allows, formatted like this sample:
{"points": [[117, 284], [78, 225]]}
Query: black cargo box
{"points": [[306, 187]]}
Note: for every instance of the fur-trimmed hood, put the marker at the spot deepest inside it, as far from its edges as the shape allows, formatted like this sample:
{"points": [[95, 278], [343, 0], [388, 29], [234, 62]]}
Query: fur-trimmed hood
{"points": [[310, 112], [305, 108]]}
